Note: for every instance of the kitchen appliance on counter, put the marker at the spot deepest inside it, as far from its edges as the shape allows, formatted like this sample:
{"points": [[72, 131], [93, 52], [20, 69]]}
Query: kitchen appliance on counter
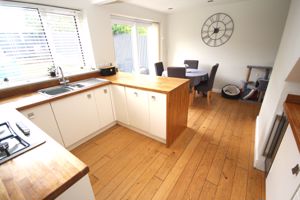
{"points": [[15, 139], [108, 71]]}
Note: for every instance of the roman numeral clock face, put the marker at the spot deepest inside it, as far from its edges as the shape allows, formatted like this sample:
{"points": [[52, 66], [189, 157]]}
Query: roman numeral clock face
{"points": [[217, 29]]}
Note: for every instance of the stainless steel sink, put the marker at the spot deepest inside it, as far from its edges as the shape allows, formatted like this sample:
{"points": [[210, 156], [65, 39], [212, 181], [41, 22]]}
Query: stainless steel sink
{"points": [[52, 91], [75, 85], [55, 90], [91, 81]]}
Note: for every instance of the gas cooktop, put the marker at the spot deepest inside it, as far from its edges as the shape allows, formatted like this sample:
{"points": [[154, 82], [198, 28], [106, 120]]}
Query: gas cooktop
{"points": [[15, 139]]}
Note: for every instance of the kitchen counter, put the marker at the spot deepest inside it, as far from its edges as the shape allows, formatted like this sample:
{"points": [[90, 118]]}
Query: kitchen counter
{"points": [[43, 172], [292, 110], [176, 90], [145, 82]]}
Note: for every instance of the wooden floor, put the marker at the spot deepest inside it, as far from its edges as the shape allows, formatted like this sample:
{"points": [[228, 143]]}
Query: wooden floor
{"points": [[212, 159]]}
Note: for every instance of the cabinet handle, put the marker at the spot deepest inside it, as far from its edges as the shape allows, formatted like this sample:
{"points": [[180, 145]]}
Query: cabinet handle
{"points": [[153, 98], [30, 115], [296, 170], [105, 91], [89, 96]]}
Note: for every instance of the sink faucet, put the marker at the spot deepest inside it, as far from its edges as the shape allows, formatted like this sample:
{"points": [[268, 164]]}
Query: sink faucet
{"points": [[63, 80]]}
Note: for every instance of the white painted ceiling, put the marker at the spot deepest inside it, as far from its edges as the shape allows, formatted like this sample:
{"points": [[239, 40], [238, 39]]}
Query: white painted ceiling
{"points": [[164, 5]]}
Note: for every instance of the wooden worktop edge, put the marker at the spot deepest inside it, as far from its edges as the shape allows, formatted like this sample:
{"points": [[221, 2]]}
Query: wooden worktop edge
{"points": [[291, 98], [290, 112], [54, 194], [143, 88]]}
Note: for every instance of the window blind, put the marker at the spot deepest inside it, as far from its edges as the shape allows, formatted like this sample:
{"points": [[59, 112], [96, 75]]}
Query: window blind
{"points": [[32, 40], [24, 51], [64, 40]]}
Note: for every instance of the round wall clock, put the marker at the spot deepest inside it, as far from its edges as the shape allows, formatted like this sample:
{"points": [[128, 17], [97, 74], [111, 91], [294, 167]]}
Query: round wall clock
{"points": [[217, 29]]}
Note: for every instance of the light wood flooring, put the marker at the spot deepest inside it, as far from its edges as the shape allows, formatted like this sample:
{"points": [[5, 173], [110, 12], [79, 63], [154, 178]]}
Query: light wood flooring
{"points": [[212, 159]]}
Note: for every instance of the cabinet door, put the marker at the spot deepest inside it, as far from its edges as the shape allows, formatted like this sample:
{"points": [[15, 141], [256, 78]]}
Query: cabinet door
{"points": [[43, 117], [104, 105], [281, 183], [77, 116], [120, 104], [138, 108], [82, 189], [158, 114]]}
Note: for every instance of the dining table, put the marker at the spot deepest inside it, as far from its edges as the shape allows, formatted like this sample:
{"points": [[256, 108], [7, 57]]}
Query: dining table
{"points": [[195, 75]]}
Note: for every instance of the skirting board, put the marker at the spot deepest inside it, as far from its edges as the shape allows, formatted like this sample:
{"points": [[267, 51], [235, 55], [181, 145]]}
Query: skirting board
{"points": [[216, 90], [142, 132], [259, 161]]}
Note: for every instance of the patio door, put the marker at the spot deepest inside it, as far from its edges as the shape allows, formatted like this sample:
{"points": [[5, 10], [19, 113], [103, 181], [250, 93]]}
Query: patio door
{"points": [[136, 45]]}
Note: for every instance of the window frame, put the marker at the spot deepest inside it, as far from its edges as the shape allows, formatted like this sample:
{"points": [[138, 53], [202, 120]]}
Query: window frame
{"points": [[78, 15], [135, 23]]}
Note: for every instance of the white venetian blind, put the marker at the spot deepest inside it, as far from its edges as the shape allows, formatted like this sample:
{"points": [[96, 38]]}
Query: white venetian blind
{"points": [[33, 38], [63, 35], [24, 51]]}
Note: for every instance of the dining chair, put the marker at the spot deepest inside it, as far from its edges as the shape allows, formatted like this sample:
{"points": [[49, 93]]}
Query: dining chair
{"points": [[206, 87], [159, 68], [178, 72], [191, 64]]}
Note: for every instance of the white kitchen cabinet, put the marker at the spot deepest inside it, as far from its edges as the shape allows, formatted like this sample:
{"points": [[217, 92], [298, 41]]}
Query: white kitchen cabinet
{"points": [[158, 114], [43, 117], [138, 108], [120, 103], [281, 183], [81, 190], [104, 105], [77, 116]]}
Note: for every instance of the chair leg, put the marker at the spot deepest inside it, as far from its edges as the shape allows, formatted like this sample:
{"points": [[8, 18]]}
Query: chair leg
{"points": [[208, 97]]}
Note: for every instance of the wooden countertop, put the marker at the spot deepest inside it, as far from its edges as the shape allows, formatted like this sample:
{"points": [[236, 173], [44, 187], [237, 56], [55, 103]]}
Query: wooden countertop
{"points": [[292, 110], [152, 83], [40, 173], [145, 82]]}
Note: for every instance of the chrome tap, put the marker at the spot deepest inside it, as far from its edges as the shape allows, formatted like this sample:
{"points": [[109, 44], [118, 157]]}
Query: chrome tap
{"points": [[63, 80]]}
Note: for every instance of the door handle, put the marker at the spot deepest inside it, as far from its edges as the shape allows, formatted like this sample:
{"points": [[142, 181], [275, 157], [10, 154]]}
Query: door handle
{"points": [[296, 170], [105, 91], [153, 98], [136, 94], [89, 96]]}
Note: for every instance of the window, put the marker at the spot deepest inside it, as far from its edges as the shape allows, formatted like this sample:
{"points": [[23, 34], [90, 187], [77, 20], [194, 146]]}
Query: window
{"points": [[136, 45], [34, 39]]}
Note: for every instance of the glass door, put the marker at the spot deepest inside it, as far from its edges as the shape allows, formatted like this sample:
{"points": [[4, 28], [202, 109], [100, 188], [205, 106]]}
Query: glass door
{"points": [[122, 34], [133, 42], [142, 49]]}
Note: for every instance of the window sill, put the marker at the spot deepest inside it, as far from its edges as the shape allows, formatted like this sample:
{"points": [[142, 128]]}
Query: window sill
{"points": [[37, 84], [4, 86]]}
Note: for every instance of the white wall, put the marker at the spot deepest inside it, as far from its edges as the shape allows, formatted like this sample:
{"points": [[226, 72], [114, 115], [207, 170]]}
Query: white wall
{"points": [[98, 25], [288, 54], [255, 40]]}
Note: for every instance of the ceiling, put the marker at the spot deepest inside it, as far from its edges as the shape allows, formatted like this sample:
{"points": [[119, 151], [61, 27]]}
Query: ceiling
{"points": [[176, 5]]}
